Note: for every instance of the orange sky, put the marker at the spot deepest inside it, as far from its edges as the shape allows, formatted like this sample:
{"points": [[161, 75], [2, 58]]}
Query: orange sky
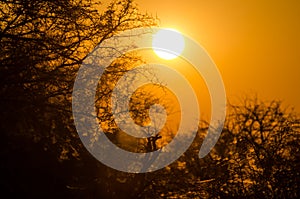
{"points": [[255, 44]]}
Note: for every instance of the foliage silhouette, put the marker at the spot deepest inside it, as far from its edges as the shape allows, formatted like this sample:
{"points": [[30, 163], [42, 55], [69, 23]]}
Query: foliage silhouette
{"points": [[257, 156], [42, 44]]}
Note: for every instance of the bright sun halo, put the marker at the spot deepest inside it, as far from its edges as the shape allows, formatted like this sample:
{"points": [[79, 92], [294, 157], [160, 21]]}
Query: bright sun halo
{"points": [[168, 43]]}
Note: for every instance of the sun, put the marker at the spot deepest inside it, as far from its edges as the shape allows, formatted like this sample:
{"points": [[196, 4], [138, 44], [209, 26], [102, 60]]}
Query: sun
{"points": [[168, 43]]}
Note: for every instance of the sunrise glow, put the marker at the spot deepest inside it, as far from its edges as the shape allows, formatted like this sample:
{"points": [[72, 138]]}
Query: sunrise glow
{"points": [[168, 43]]}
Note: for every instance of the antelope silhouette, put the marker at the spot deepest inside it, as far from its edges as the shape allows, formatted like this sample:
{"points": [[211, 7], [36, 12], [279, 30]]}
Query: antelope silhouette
{"points": [[151, 142]]}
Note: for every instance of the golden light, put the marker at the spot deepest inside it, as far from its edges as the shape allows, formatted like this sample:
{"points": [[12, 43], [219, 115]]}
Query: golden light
{"points": [[168, 43]]}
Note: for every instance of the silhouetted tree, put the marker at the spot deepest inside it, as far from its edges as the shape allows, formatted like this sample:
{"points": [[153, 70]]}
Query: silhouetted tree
{"points": [[42, 44], [257, 154]]}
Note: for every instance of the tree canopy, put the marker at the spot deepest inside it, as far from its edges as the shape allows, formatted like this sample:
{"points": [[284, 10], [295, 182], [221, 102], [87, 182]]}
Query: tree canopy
{"points": [[42, 44]]}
